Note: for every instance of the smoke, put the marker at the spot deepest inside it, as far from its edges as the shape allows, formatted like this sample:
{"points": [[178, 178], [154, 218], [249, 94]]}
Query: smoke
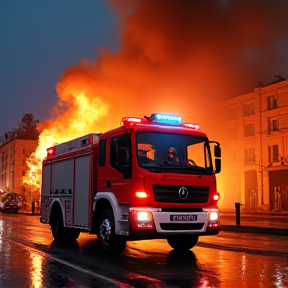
{"points": [[179, 57]]}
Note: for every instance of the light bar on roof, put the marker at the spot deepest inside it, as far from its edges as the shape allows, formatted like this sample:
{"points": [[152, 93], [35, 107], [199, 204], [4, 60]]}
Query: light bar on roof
{"points": [[166, 118]]}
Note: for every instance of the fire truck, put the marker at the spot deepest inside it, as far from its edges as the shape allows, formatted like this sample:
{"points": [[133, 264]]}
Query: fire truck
{"points": [[122, 186]]}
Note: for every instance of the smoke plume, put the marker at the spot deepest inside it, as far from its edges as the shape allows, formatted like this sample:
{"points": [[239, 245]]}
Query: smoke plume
{"points": [[176, 56]]}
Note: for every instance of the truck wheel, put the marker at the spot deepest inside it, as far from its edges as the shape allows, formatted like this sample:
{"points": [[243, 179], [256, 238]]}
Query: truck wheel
{"points": [[108, 240], [57, 227], [59, 232], [182, 242], [70, 234]]}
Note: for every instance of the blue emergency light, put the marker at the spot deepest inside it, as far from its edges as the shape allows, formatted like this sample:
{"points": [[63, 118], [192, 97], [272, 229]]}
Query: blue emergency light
{"points": [[166, 118]]}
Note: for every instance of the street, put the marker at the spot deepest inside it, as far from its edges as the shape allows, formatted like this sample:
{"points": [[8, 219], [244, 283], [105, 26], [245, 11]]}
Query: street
{"points": [[30, 258]]}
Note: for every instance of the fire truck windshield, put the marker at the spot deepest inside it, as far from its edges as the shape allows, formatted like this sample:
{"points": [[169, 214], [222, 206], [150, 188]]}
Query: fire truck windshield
{"points": [[166, 151]]}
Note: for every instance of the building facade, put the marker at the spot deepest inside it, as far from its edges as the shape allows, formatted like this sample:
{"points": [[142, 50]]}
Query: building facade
{"points": [[13, 156], [255, 149]]}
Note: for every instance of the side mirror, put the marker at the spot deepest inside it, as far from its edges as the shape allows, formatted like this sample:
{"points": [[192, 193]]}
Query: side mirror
{"points": [[217, 165], [217, 151]]}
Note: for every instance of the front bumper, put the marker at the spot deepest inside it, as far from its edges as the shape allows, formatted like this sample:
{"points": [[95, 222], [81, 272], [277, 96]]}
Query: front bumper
{"points": [[169, 223]]}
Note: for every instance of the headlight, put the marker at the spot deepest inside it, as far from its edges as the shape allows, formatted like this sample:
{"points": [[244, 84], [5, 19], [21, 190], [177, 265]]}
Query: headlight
{"points": [[214, 216], [141, 220]]}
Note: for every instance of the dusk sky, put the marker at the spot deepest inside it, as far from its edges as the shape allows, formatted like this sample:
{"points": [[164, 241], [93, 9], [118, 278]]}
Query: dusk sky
{"points": [[177, 56], [38, 41]]}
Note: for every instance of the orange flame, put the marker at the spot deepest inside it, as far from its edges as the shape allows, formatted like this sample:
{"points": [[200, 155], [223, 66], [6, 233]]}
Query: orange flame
{"points": [[78, 119]]}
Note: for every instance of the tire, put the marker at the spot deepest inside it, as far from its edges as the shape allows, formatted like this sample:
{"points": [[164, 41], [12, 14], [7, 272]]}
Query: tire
{"points": [[182, 242], [109, 242], [71, 234], [59, 232]]}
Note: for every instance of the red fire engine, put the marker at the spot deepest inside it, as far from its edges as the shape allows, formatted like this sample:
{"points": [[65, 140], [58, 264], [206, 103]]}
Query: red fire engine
{"points": [[152, 177]]}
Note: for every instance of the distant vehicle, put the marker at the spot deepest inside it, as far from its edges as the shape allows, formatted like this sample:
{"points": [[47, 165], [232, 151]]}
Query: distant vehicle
{"points": [[11, 202]]}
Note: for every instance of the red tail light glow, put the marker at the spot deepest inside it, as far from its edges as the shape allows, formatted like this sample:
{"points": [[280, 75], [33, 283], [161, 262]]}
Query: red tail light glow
{"points": [[190, 125]]}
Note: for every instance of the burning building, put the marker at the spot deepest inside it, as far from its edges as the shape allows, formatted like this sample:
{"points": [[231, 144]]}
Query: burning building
{"points": [[255, 148]]}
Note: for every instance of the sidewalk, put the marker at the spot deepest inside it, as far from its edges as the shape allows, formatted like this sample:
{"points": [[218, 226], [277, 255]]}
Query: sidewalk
{"points": [[264, 222]]}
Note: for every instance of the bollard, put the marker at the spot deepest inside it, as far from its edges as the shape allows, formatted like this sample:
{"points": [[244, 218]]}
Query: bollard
{"points": [[237, 207]]}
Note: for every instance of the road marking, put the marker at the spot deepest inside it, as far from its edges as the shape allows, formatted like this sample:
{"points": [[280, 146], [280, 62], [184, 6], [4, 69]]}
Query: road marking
{"points": [[91, 273]]}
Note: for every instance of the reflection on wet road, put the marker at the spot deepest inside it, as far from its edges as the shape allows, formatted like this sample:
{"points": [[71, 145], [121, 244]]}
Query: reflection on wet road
{"points": [[30, 258]]}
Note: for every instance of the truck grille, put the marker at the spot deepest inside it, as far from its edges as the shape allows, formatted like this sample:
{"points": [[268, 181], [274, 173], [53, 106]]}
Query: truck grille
{"points": [[170, 194], [180, 226]]}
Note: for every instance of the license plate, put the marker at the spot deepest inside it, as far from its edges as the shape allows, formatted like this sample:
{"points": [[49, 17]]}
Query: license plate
{"points": [[183, 217]]}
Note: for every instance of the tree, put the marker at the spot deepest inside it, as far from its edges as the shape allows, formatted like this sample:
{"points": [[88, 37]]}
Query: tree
{"points": [[27, 128]]}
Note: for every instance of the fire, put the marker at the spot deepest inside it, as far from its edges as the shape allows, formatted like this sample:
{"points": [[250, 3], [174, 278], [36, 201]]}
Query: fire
{"points": [[78, 119], [166, 64]]}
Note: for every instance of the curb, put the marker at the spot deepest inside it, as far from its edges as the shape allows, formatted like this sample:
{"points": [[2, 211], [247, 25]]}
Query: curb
{"points": [[252, 229]]}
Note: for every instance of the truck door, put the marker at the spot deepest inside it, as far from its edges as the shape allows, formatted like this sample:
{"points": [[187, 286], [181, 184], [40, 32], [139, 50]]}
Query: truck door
{"points": [[119, 173]]}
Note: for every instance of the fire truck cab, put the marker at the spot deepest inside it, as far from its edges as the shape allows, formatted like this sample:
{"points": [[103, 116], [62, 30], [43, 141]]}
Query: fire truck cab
{"points": [[122, 185]]}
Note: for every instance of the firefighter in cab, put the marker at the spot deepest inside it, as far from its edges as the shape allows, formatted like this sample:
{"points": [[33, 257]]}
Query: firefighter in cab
{"points": [[172, 157]]}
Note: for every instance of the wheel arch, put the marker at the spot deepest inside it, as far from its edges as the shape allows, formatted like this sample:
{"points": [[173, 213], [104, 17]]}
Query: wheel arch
{"points": [[108, 200]]}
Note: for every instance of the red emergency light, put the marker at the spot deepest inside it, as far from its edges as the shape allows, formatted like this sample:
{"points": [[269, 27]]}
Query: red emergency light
{"points": [[191, 125], [51, 151], [130, 121]]}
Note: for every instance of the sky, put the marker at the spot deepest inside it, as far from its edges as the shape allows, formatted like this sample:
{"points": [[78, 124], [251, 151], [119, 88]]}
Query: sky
{"points": [[38, 41], [62, 59]]}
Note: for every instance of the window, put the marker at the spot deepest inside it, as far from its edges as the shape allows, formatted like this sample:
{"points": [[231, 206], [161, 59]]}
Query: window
{"points": [[120, 152], [272, 102], [249, 129], [191, 153], [273, 125], [231, 113], [249, 155], [23, 173], [248, 109], [273, 153]]}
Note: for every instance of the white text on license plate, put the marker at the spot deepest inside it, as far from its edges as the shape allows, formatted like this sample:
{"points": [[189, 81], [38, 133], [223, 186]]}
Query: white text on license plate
{"points": [[183, 217]]}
